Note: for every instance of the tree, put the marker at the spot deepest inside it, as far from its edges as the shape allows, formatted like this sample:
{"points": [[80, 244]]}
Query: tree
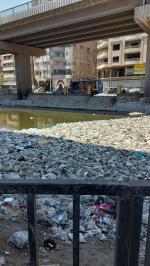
{"points": [[1, 81]]}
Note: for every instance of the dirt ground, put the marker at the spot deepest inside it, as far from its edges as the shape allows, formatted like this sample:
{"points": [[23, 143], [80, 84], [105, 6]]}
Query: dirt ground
{"points": [[93, 252]]}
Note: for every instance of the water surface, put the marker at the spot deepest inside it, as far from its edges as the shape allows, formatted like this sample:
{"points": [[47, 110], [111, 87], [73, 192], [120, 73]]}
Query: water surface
{"points": [[26, 118]]}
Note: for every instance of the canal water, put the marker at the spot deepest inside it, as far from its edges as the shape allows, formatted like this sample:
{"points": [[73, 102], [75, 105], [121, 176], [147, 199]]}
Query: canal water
{"points": [[18, 119]]}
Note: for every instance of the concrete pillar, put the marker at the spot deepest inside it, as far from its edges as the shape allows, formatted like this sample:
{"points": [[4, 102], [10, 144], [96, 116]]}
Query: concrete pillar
{"points": [[23, 75], [147, 78]]}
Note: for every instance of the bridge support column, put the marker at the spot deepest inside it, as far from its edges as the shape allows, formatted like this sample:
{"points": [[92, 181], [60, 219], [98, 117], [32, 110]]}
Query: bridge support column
{"points": [[147, 78], [23, 75], [142, 18]]}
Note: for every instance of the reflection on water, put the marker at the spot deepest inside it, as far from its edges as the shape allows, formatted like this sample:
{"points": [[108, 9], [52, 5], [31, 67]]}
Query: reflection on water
{"points": [[24, 118]]}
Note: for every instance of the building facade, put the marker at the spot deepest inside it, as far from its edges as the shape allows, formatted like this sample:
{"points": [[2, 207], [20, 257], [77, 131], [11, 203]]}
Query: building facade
{"points": [[50, 67], [8, 69], [64, 64], [80, 60], [121, 61], [59, 65]]}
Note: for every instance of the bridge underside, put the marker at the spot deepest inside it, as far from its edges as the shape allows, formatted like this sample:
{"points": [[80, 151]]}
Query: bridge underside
{"points": [[94, 29], [83, 21]]}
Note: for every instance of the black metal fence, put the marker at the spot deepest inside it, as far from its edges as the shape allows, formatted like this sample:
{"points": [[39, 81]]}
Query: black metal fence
{"points": [[129, 214]]}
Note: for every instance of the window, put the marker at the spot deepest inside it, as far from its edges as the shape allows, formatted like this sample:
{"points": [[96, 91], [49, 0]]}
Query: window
{"points": [[68, 72], [105, 60], [134, 56], [115, 59], [133, 44], [118, 72], [116, 47]]}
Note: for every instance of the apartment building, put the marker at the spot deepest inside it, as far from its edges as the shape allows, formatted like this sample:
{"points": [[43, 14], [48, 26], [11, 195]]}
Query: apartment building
{"points": [[80, 61], [1, 74], [59, 65], [8, 68], [50, 67], [1, 63], [63, 64], [121, 61]]}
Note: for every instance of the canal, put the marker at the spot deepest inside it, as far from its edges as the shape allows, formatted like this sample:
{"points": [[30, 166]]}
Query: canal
{"points": [[18, 119]]}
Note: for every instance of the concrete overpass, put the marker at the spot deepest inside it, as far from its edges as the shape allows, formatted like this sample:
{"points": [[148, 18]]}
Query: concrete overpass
{"points": [[28, 29]]}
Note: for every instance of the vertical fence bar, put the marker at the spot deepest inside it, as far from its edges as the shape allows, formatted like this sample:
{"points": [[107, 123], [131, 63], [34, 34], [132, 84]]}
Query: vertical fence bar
{"points": [[128, 231], [76, 225], [147, 251], [32, 230]]}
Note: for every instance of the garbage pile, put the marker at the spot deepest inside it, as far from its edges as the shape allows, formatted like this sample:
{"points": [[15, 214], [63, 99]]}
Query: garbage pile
{"points": [[97, 215], [116, 150], [55, 213], [96, 220]]}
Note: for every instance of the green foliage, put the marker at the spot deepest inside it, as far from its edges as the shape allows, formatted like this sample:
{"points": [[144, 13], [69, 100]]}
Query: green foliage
{"points": [[1, 81]]}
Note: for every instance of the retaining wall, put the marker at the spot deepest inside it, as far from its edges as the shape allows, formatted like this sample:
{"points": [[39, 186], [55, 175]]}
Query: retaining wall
{"points": [[99, 103]]}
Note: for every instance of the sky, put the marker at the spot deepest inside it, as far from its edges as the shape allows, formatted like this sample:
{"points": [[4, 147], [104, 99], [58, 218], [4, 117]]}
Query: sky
{"points": [[5, 4]]}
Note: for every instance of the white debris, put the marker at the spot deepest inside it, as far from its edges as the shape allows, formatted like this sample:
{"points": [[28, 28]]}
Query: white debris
{"points": [[8, 200], [2, 261], [19, 239]]}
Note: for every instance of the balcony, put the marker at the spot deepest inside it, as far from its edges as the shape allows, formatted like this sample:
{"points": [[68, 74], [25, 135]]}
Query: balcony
{"points": [[133, 49], [9, 76], [131, 61], [58, 66], [58, 75], [37, 68], [68, 76], [68, 66], [8, 61], [102, 55], [9, 83], [11, 68], [102, 65], [102, 44], [39, 60], [55, 59]]}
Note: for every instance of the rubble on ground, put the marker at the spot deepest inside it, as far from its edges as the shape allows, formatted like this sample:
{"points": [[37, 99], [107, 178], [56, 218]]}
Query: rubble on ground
{"points": [[98, 150]]}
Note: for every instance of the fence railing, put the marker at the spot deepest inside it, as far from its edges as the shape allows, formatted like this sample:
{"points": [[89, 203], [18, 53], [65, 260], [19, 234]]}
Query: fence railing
{"points": [[30, 9], [16, 9], [129, 214]]}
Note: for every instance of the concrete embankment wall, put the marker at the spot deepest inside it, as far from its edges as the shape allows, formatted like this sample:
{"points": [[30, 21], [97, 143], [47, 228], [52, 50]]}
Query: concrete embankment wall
{"points": [[102, 103]]}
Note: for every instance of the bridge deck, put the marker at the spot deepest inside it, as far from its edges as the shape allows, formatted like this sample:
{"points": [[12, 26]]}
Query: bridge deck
{"points": [[62, 22], [28, 10]]}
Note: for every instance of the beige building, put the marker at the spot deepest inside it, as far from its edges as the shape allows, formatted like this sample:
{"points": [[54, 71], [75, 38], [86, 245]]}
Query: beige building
{"points": [[50, 67], [121, 61], [81, 61], [63, 64], [8, 68]]}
